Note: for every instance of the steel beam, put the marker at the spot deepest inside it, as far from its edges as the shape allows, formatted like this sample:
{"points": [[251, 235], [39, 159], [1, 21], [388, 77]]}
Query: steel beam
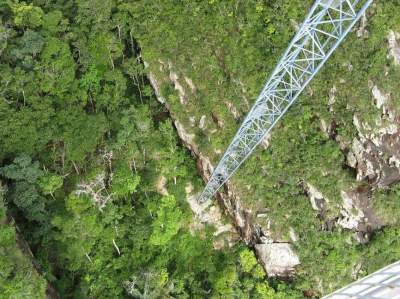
{"points": [[325, 27], [383, 284]]}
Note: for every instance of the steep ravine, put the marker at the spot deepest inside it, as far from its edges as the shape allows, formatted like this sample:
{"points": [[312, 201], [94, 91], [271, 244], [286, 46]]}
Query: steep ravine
{"points": [[226, 198], [276, 256]]}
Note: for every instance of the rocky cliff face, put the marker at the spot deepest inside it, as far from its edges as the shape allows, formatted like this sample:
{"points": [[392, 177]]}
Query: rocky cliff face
{"points": [[277, 257], [373, 154]]}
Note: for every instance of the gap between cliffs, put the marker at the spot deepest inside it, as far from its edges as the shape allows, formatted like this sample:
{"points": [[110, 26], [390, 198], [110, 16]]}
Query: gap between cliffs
{"points": [[277, 257]]}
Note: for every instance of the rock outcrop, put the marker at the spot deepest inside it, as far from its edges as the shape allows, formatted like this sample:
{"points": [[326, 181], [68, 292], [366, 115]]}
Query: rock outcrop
{"points": [[318, 202], [358, 215], [375, 153], [394, 46], [278, 259], [362, 32], [356, 212], [210, 214]]}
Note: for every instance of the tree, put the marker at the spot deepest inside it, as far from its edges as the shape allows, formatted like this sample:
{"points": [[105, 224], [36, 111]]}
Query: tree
{"points": [[123, 181], [54, 23], [78, 231], [27, 15], [22, 169], [167, 222], [4, 35], [28, 47], [57, 67], [80, 132], [225, 284], [247, 260], [24, 193], [50, 183], [264, 291]]}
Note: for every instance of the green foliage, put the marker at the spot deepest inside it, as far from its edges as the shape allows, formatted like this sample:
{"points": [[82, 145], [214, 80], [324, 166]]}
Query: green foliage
{"points": [[264, 291], [27, 15], [22, 169], [30, 45], [247, 260], [224, 285], [57, 67], [235, 47], [50, 183], [81, 133], [53, 22], [79, 230], [124, 182], [24, 193], [91, 80], [81, 124], [168, 221], [75, 103], [18, 278]]}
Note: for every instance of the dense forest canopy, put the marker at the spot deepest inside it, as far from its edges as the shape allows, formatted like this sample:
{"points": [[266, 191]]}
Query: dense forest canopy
{"points": [[94, 178], [82, 146]]}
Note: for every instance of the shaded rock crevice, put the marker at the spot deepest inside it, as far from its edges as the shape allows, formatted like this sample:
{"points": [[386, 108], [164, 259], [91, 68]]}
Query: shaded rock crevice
{"points": [[356, 212]]}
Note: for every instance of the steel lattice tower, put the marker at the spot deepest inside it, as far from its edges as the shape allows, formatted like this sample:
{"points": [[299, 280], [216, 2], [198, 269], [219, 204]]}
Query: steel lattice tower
{"points": [[325, 27]]}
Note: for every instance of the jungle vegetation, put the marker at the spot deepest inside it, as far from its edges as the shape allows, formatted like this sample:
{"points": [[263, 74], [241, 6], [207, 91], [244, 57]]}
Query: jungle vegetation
{"points": [[84, 142]]}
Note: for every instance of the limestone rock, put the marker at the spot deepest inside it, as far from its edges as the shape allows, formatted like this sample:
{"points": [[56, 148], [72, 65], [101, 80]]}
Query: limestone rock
{"points": [[351, 214], [233, 110], [202, 122], [373, 154], [318, 201], [265, 142], [293, 236], [358, 215], [362, 31], [278, 259], [380, 97], [394, 46], [218, 120], [184, 135], [178, 86], [192, 121], [156, 86], [190, 83], [189, 188], [209, 213]]}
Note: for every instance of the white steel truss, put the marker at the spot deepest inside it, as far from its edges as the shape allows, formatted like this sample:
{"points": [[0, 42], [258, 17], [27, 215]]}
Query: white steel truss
{"points": [[325, 27], [383, 284]]}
